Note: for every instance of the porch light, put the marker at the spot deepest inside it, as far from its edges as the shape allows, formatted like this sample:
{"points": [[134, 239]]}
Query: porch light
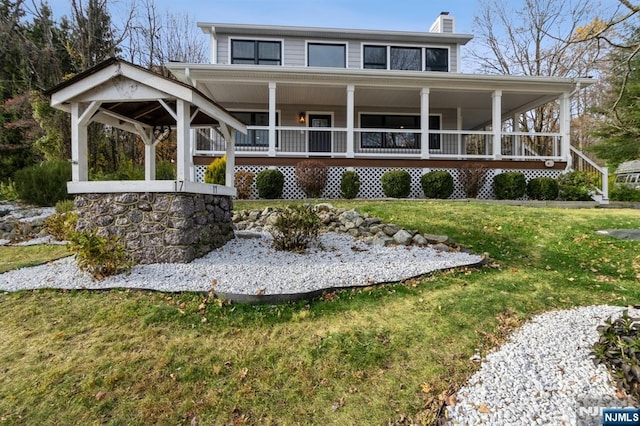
{"points": [[301, 117]]}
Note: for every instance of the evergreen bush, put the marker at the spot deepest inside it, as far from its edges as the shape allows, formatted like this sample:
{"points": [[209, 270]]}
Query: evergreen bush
{"points": [[349, 184], [576, 186], [312, 176], [624, 193], [509, 185], [216, 171], [270, 184], [437, 184], [396, 183], [44, 184], [543, 188]]}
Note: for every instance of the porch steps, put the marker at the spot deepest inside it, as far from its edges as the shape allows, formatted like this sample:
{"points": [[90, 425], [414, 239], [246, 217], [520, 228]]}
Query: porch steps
{"points": [[581, 162]]}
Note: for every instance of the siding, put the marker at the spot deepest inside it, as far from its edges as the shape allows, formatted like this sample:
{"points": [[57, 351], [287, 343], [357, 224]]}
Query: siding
{"points": [[294, 51]]}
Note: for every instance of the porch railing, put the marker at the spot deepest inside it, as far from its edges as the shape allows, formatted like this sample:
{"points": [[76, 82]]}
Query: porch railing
{"points": [[406, 143], [580, 162]]}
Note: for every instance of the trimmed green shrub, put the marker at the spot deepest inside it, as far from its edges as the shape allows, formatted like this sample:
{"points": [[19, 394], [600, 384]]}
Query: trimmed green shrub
{"points": [[64, 206], [99, 256], [216, 171], [270, 184], [295, 228], [437, 184], [543, 188], [396, 183], [576, 186], [349, 184], [509, 185], [618, 348], [624, 193], [243, 181], [165, 170], [312, 176], [44, 184]]}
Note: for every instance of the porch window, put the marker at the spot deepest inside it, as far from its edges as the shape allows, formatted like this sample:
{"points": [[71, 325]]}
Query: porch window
{"points": [[375, 57], [395, 137], [406, 58], [436, 59], [256, 52], [254, 137], [327, 55]]}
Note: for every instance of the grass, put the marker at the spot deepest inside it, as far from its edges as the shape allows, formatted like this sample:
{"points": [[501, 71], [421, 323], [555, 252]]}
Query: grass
{"points": [[371, 356], [15, 257]]}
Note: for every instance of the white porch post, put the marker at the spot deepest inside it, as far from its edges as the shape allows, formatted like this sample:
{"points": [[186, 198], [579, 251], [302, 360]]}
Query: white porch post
{"points": [[79, 151], [565, 126], [517, 148], [350, 120], [183, 125], [496, 123], [230, 137], [149, 153], [424, 123], [272, 119], [459, 128]]}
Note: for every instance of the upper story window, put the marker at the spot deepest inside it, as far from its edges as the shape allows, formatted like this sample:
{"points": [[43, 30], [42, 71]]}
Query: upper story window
{"points": [[436, 59], [327, 55], [405, 58], [256, 52]]}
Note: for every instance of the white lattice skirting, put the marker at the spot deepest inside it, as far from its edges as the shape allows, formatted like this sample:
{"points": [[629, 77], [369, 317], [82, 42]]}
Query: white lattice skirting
{"points": [[370, 186]]}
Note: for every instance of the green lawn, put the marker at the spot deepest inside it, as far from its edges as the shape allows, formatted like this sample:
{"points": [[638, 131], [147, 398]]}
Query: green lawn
{"points": [[358, 357]]}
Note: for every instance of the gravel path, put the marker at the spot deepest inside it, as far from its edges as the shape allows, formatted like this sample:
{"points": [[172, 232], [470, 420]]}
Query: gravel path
{"points": [[251, 265], [543, 375]]}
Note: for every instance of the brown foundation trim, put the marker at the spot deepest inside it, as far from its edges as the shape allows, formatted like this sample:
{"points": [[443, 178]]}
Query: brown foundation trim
{"points": [[390, 162]]}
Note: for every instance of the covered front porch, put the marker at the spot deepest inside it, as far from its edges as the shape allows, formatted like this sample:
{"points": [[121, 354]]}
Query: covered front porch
{"points": [[365, 114]]}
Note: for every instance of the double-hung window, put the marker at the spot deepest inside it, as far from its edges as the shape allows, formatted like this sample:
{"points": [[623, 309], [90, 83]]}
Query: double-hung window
{"points": [[331, 55], [256, 52]]}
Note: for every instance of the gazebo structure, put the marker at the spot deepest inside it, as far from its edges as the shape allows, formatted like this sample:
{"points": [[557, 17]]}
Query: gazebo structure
{"points": [[159, 220]]}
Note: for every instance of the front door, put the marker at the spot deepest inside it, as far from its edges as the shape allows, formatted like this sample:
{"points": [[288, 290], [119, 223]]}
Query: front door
{"points": [[319, 140]]}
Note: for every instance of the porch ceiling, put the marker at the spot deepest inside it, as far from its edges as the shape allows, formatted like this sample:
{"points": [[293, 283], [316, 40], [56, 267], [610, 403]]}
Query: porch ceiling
{"points": [[475, 105]]}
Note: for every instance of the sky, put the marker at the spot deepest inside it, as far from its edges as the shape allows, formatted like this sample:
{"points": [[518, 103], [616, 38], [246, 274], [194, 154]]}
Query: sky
{"points": [[406, 15]]}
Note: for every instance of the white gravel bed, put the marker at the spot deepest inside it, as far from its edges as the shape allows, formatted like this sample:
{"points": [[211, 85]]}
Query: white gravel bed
{"points": [[252, 266], [543, 375]]}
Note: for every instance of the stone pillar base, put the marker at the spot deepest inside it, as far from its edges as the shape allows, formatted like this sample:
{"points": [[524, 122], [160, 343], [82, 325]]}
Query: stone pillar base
{"points": [[159, 227]]}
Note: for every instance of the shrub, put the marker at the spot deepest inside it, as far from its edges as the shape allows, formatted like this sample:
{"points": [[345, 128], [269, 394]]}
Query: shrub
{"points": [[576, 186], [99, 256], [44, 184], [294, 228], [270, 184], [509, 185], [8, 191], [349, 184], [543, 188], [243, 181], [165, 170], [311, 176], [216, 171], [61, 225], [437, 184], [624, 193], [127, 170], [618, 348], [396, 183], [472, 178], [64, 206]]}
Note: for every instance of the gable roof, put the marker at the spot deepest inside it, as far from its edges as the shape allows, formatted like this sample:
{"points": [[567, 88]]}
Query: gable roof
{"points": [[138, 96]]}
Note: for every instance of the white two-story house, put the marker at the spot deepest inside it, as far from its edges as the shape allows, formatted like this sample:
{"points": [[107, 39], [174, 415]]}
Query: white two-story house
{"points": [[372, 101]]}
